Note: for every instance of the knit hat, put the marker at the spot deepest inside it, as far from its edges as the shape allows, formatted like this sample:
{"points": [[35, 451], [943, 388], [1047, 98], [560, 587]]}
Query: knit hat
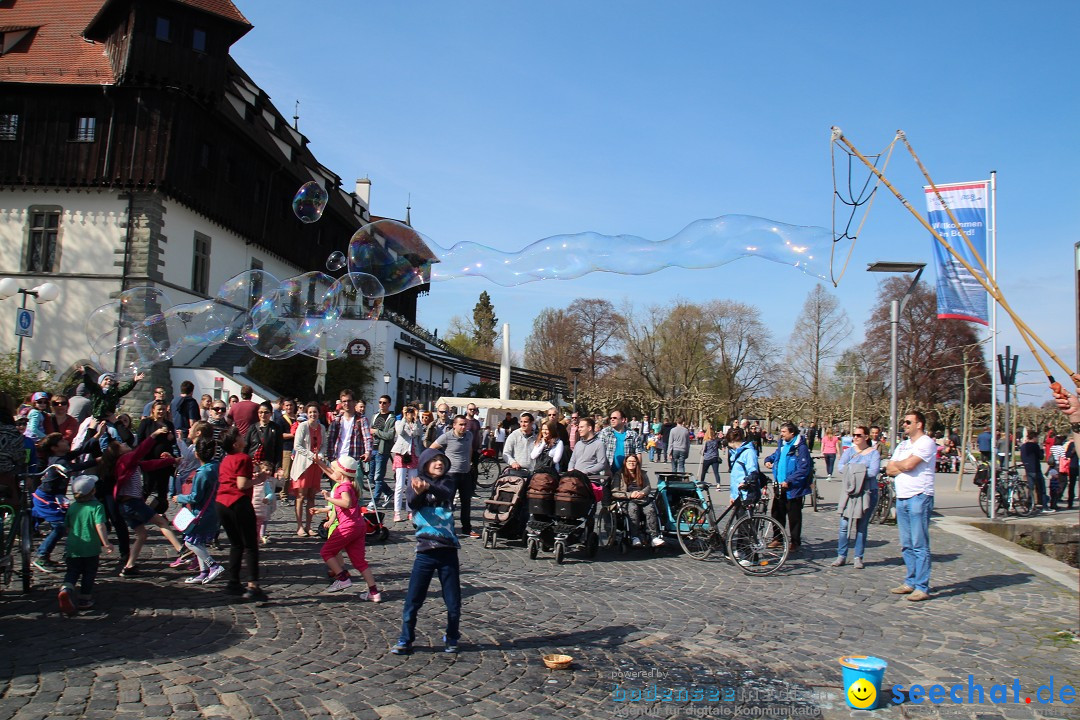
{"points": [[83, 485], [345, 465], [102, 376]]}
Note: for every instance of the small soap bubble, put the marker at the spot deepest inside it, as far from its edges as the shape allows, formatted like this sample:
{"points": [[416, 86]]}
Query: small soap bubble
{"points": [[336, 261], [309, 202]]}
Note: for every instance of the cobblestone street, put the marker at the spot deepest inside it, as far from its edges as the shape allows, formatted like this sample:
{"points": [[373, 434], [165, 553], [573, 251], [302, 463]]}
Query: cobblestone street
{"points": [[156, 648]]}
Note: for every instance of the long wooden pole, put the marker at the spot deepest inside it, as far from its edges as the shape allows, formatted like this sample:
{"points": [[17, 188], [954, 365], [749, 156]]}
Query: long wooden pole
{"points": [[994, 292]]}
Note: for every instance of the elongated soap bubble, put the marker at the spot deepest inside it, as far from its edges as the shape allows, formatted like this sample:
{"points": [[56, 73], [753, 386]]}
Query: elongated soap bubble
{"points": [[238, 295], [701, 244], [309, 202], [393, 253]]}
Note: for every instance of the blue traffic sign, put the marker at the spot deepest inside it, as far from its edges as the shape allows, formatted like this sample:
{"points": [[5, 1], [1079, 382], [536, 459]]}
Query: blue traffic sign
{"points": [[24, 322]]}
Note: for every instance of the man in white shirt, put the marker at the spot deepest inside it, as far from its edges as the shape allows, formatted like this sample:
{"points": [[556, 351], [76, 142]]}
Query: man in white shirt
{"points": [[912, 468]]}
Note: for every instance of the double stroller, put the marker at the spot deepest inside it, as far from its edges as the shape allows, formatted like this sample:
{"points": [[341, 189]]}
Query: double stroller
{"points": [[505, 512], [563, 512]]}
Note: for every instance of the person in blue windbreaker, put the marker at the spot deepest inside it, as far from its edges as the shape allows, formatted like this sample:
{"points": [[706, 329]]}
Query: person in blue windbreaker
{"points": [[794, 471]]}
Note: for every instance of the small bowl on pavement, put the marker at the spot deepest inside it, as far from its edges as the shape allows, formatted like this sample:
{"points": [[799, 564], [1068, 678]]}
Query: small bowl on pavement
{"points": [[558, 662]]}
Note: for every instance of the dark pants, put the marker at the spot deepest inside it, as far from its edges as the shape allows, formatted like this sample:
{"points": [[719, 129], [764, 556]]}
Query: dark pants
{"points": [[789, 510], [1071, 484], [238, 520], [84, 567], [157, 484], [466, 485], [1037, 482], [119, 525], [830, 461], [443, 561], [713, 463]]}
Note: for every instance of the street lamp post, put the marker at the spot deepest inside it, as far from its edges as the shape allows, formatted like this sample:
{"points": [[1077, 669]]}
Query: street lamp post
{"points": [[576, 371], [895, 308], [46, 292], [386, 383]]}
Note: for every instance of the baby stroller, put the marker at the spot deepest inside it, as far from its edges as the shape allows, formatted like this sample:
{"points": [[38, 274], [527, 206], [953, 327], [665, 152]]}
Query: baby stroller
{"points": [[566, 516], [505, 512]]}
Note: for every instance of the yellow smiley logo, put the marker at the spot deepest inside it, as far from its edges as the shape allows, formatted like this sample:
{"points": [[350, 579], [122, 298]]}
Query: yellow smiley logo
{"points": [[862, 694]]}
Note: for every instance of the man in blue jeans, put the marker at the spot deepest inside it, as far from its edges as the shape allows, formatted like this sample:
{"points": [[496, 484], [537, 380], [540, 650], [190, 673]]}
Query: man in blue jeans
{"points": [[679, 446], [383, 433], [912, 468]]}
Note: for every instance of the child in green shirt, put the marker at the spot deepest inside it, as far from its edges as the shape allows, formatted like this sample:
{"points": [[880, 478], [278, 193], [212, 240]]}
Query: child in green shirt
{"points": [[86, 536]]}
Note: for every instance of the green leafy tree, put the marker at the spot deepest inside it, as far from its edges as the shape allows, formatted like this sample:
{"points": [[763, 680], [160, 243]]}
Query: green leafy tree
{"points": [[484, 323], [20, 385]]}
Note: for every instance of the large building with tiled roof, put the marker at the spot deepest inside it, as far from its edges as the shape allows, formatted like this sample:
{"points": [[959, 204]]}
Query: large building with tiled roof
{"points": [[135, 151]]}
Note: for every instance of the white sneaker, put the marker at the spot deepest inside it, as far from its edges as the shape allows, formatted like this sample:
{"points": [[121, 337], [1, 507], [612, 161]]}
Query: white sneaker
{"points": [[657, 541], [339, 585], [745, 563], [213, 573], [636, 542], [373, 597]]}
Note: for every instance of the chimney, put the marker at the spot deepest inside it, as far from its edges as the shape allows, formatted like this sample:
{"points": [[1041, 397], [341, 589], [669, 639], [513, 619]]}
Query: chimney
{"points": [[363, 191]]}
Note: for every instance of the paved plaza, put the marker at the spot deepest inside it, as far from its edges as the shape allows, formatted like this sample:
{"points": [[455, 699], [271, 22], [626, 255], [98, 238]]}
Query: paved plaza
{"points": [[635, 624]]}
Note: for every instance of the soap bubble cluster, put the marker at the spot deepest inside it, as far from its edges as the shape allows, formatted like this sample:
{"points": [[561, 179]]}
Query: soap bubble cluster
{"points": [[309, 202], [303, 314]]}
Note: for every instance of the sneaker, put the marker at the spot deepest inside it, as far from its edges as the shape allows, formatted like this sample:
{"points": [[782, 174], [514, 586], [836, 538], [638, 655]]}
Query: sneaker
{"points": [[180, 561], [339, 585], [839, 562], [918, 596], [657, 541], [86, 603], [196, 579], [745, 563], [130, 572], [1049, 510], [213, 573], [473, 534], [450, 646], [402, 649], [194, 564], [373, 597], [44, 565], [234, 589], [902, 590], [636, 542], [255, 595], [858, 564], [64, 598]]}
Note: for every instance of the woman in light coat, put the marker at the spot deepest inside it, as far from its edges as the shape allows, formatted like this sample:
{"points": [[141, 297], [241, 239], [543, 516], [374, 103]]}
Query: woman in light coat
{"points": [[309, 446], [406, 453], [859, 467]]}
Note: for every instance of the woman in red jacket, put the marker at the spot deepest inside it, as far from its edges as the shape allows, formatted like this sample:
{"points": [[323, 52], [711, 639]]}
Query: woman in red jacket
{"points": [[235, 486]]}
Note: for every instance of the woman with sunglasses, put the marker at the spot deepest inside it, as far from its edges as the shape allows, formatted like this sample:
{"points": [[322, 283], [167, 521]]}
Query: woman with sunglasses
{"points": [[60, 421], [308, 449], [858, 467]]}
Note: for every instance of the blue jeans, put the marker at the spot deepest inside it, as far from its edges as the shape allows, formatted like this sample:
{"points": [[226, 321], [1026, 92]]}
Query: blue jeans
{"points": [[378, 477], [59, 530], [860, 528], [913, 520], [444, 561], [678, 461]]}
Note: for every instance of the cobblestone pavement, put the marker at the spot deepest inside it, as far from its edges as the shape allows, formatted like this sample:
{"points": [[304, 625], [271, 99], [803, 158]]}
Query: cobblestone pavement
{"points": [[156, 648]]}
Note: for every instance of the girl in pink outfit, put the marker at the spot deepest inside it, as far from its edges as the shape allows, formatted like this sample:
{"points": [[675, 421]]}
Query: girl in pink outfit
{"points": [[829, 444], [351, 531]]}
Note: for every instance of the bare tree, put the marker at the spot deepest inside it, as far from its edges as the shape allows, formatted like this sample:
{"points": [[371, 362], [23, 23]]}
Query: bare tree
{"points": [[739, 346], [554, 345], [820, 329], [598, 326]]}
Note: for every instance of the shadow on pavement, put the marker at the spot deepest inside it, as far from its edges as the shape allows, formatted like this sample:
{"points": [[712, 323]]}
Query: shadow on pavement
{"points": [[982, 584]]}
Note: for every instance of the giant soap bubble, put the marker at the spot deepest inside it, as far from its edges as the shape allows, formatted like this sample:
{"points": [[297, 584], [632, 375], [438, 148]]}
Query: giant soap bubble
{"points": [[393, 253], [356, 296], [309, 202]]}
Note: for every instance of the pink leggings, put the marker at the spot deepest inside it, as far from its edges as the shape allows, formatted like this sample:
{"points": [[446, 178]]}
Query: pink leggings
{"points": [[351, 541]]}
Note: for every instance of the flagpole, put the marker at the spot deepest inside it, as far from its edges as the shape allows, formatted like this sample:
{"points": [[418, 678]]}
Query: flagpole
{"points": [[992, 500]]}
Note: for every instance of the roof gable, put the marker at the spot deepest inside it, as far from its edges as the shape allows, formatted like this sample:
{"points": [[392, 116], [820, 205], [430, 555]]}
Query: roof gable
{"points": [[55, 52]]}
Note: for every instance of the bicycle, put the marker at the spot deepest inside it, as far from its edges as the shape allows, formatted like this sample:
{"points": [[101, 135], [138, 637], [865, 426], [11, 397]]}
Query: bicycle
{"points": [[1014, 495], [488, 469], [18, 525], [755, 543], [883, 511]]}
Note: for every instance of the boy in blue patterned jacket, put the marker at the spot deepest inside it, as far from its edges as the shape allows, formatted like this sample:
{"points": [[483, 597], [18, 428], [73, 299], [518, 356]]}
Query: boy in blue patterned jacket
{"points": [[431, 497]]}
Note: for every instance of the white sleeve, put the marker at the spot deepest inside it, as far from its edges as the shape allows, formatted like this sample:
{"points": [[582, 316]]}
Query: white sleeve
{"points": [[556, 452], [537, 449]]}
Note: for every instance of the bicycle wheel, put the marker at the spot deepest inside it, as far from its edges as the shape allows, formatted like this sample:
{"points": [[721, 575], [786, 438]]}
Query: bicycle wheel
{"points": [[813, 495], [885, 503], [1022, 500], [487, 472], [24, 549], [748, 544], [984, 499], [692, 526]]}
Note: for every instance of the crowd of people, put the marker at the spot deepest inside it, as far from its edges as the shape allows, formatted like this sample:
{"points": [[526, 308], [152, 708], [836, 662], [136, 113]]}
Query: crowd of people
{"points": [[214, 465]]}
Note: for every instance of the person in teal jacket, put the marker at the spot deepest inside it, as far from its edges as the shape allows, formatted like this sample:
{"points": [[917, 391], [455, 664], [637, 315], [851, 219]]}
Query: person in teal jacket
{"points": [[200, 501], [794, 471]]}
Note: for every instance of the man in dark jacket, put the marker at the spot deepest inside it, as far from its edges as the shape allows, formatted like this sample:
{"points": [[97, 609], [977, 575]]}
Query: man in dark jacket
{"points": [[384, 432], [794, 470]]}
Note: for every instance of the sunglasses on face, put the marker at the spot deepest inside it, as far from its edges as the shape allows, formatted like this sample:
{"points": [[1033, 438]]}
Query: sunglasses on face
{"points": [[909, 422], [858, 435], [59, 404], [218, 409]]}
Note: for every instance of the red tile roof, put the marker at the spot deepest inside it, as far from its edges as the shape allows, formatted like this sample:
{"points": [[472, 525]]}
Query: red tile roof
{"points": [[56, 52], [223, 8]]}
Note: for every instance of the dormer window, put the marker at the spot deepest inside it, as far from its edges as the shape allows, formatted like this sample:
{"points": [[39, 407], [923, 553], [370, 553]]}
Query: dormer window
{"points": [[163, 29], [198, 40]]}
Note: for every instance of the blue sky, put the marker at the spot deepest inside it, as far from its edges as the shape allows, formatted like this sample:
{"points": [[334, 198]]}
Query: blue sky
{"points": [[511, 121]]}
